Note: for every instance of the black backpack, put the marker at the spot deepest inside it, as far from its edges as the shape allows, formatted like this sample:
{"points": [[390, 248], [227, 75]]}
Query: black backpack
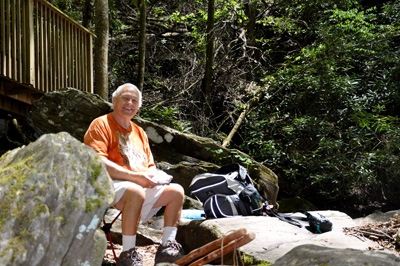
{"points": [[227, 192]]}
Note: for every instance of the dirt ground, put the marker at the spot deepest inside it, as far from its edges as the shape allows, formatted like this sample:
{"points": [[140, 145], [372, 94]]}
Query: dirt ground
{"points": [[148, 253]]}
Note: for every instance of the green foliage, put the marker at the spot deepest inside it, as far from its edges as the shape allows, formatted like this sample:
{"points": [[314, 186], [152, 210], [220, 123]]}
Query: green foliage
{"points": [[73, 8], [330, 123], [168, 116]]}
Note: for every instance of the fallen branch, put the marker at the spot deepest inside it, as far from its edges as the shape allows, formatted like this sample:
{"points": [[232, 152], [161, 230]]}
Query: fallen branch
{"points": [[252, 102], [225, 250], [373, 234], [203, 250]]}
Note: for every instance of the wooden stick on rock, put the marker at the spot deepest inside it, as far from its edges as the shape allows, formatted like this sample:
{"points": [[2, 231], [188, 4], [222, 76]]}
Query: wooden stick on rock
{"points": [[225, 250], [203, 250]]}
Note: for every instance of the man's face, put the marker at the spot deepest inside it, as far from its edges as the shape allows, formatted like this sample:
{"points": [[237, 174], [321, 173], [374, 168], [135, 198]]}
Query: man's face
{"points": [[126, 105]]}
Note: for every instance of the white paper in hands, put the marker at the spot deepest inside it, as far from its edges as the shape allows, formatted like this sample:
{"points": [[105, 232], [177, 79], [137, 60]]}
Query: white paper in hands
{"points": [[162, 178]]}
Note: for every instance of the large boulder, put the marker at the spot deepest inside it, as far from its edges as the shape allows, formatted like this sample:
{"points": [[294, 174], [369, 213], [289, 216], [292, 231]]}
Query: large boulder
{"points": [[182, 155], [53, 193], [68, 110]]}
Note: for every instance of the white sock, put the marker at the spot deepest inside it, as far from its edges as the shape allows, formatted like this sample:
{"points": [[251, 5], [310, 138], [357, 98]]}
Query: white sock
{"points": [[169, 233], [128, 242]]}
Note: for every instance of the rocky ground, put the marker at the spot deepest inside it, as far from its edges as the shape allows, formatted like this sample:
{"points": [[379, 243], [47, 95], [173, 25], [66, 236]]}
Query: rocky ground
{"points": [[148, 253], [386, 234], [152, 230]]}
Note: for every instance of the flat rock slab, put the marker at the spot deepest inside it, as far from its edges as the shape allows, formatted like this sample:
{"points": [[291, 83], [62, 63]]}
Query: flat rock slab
{"points": [[313, 255], [274, 238]]}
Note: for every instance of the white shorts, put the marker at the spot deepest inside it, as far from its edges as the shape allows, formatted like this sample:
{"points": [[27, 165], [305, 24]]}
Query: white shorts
{"points": [[152, 195]]}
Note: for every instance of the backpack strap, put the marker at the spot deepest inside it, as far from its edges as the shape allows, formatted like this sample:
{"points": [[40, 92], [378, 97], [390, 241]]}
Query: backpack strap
{"points": [[285, 218], [243, 177]]}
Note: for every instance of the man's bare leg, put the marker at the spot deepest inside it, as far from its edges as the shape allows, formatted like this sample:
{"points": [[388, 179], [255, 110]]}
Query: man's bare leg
{"points": [[131, 206], [172, 198]]}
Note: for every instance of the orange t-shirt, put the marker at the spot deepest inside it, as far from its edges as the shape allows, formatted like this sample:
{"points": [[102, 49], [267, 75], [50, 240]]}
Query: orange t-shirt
{"points": [[128, 148]]}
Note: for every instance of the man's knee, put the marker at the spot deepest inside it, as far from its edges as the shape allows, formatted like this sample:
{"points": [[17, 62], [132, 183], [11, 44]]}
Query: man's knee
{"points": [[178, 190], [135, 191]]}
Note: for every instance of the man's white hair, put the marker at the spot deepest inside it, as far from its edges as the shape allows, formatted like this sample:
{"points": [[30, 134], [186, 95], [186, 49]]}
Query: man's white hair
{"points": [[118, 91]]}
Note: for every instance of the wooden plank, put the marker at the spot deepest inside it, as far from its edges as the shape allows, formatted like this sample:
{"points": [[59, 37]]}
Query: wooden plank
{"points": [[41, 64], [62, 54], [68, 52], [24, 74], [90, 65], [8, 48], [13, 106], [56, 54], [52, 52], [13, 38], [81, 58], [3, 37], [46, 49], [30, 64], [18, 45], [76, 58], [37, 43]]}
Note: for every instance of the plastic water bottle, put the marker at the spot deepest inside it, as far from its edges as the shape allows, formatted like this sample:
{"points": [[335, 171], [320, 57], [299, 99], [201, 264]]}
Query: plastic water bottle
{"points": [[193, 214]]}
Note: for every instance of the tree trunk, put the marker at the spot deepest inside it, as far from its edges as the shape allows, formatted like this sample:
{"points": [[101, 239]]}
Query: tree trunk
{"points": [[209, 50], [88, 14], [142, 45], [251, 12], [101, 49]]}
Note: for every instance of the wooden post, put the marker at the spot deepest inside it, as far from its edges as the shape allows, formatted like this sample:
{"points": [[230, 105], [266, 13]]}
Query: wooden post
{"points": [[3, 37], [30, 47], [90, 64], [8, 47]]}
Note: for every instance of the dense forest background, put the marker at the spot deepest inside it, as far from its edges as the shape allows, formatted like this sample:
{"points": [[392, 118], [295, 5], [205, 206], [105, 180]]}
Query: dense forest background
{"points": [[315, 85]]}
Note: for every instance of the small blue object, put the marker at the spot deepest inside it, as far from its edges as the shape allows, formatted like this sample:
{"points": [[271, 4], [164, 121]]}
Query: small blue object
{"points": [[193, 214]]}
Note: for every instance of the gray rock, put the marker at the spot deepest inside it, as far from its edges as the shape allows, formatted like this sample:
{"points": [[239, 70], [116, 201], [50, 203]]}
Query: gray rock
{"points": [[376, 217], [274, 238], [67, 109], [53, 195], [313, 255]]}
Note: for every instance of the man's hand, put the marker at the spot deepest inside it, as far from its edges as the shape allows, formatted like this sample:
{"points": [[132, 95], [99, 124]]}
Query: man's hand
{"points": [[117, 172], [145, 179]]}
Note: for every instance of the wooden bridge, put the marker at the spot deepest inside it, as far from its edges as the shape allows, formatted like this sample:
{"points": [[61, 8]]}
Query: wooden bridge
{"points": [[41, 50]]}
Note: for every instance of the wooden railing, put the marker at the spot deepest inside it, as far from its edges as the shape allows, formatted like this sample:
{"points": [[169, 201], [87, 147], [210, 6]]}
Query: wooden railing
{"points": [[42, 48]]}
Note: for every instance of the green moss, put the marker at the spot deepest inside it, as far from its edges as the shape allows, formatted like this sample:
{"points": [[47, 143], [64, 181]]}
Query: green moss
{"points": [[216, 232], [13, 177], [38, 209], [249, 260], [59, 219], [92, 204], [95, 171]]}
